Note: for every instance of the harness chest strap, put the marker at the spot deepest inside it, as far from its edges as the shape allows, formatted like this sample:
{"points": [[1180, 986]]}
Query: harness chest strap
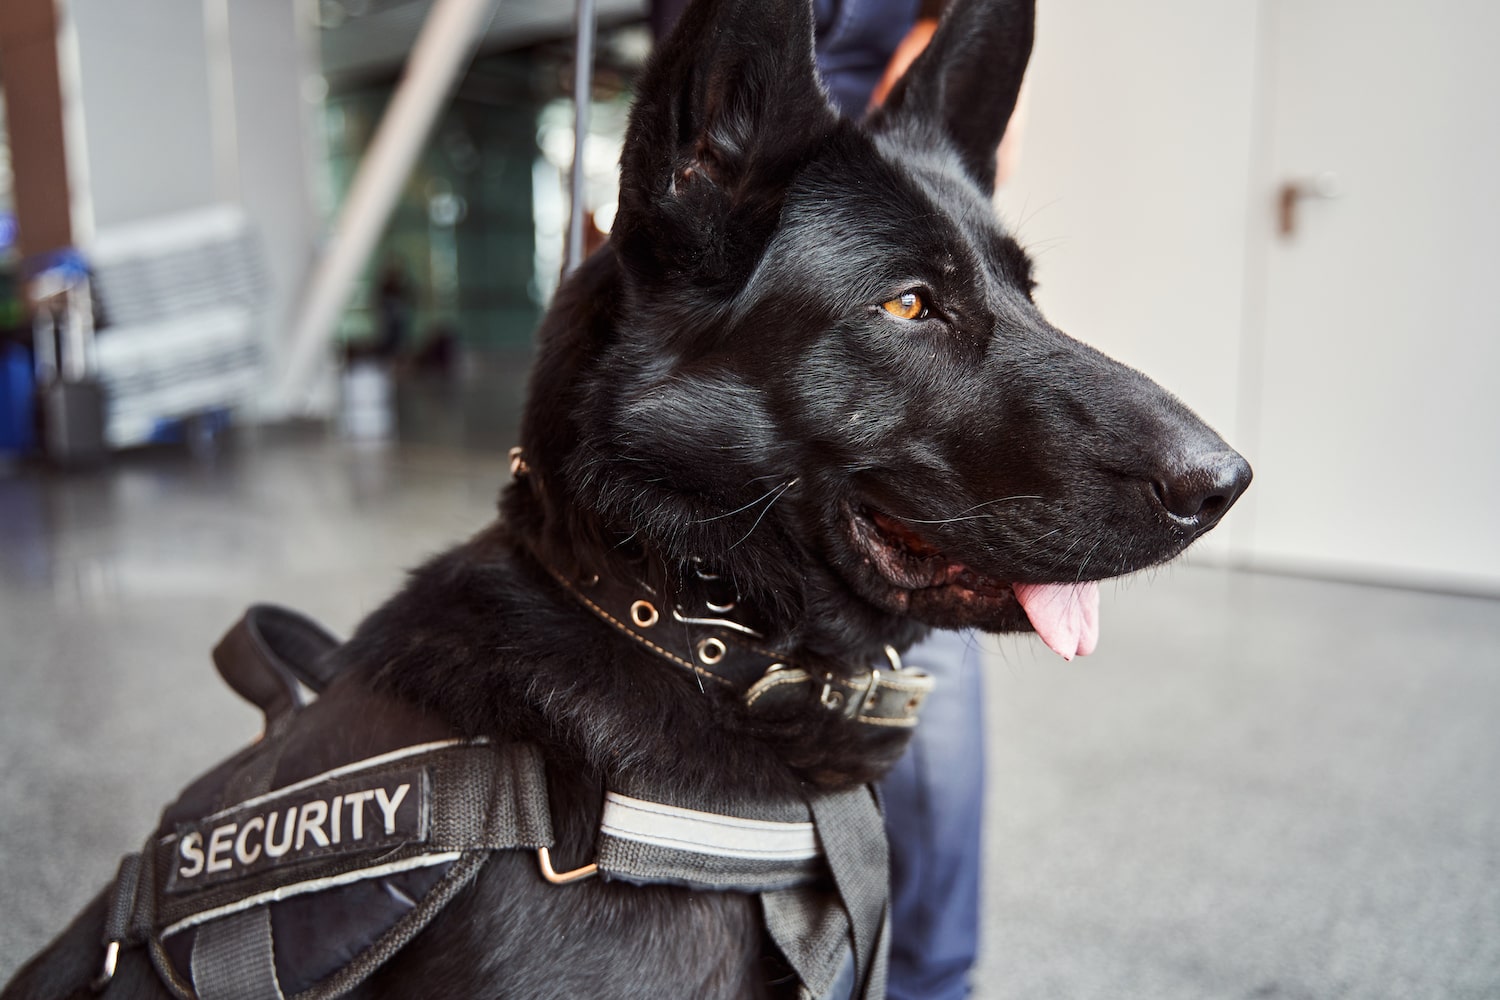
{"points": [[438, 808], [650, 842], [213, 882]]}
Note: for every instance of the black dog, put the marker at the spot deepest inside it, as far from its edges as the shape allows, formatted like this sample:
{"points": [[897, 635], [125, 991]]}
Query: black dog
{"points": [[804, 387]]}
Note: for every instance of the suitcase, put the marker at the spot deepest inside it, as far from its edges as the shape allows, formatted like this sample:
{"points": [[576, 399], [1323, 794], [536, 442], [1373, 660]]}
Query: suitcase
{"points": [[71, 401], [73, 422]]}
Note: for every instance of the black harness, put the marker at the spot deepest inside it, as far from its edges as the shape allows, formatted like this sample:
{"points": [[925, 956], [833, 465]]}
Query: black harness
{"points": [[304, 862]]}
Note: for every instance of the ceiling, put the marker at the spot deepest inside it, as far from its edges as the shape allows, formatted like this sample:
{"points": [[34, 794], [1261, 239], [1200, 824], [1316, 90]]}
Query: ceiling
{"points": [[369, 37]]}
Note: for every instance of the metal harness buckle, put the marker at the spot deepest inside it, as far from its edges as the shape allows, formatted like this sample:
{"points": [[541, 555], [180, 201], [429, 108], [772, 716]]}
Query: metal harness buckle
{"points": [[111, 960], [544, 860]]}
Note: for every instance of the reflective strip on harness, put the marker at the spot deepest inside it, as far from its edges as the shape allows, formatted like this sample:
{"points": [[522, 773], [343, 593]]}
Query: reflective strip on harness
{"points": [[356, 767], [682, 829], [314, 885], [642, 841]]}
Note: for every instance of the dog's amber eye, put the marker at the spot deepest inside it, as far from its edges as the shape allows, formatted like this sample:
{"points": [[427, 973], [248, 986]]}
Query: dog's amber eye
{"points": [[907, 305]]}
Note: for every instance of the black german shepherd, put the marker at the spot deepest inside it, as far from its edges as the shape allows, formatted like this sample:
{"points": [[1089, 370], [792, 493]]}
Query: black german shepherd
{"points": [[807, 371]]}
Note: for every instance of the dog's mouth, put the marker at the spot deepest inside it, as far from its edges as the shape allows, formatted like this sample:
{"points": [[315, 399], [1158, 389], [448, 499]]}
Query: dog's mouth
{"points": [[916, 578]]}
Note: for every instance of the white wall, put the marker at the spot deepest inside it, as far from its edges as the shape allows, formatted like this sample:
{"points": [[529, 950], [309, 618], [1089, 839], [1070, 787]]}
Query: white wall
{"points": [[276, 163], [146, 107], [1132, 185], [1378, 437], [163, 99], [1355, 366]]}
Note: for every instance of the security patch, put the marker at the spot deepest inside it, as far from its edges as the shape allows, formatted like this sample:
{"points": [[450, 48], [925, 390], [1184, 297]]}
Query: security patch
{"points": [[330, 818]]}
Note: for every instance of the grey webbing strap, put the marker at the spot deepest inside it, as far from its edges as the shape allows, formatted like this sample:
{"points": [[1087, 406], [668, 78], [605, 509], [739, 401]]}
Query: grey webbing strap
{"points": [[642, 840], [812, 931], [493, 800], [483, 797], [132, 900], [233, 958], [853, 835], [875, 987], [119, 917]]}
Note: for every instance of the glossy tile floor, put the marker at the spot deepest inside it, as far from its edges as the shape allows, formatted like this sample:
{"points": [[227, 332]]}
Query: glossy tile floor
{"points": [[1258, 788]]}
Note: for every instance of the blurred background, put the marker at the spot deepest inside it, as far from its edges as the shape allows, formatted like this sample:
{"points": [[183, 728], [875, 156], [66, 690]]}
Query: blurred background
{"points": [[254, 347]]}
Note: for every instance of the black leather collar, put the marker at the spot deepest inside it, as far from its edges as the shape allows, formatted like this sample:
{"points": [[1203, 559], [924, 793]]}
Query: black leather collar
{"points": [[702, 635]]}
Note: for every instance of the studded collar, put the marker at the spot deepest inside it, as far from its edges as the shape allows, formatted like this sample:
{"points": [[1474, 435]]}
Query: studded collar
{"points": [[705, 639], [719, 650]]}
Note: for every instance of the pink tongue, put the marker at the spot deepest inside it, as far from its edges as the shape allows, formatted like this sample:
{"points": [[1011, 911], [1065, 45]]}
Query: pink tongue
{"points": [[1065, 615]]}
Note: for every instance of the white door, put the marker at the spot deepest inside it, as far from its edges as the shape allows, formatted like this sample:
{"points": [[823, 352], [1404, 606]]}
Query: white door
{"points": [[1374, 372]]}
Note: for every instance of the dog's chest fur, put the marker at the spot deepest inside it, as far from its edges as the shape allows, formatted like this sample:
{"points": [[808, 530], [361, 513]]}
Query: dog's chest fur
{"points": [[493, 645]]}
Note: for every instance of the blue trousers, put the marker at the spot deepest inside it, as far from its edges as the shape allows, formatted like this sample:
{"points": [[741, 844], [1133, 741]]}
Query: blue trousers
{"points": [[934, 800]]}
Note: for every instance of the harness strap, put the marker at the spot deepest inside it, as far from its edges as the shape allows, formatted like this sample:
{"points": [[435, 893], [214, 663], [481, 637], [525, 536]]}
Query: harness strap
{"points": [[269, 652], [129, 914], [853, 834], [812, 931], [119, 922], [440, 807], [461, 796], [233, 959], [643, 841]]}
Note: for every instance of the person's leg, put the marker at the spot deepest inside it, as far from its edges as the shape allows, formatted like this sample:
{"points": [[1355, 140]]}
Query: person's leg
{"points": [[933, 806]]}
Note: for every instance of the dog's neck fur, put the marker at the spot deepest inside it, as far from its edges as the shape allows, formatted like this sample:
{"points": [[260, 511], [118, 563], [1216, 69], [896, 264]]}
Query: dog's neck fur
{"points": [[485, 636], [594, 505]]}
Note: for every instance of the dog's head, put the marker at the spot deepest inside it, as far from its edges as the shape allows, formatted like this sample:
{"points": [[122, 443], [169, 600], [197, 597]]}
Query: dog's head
{"points": [[809, 355]]}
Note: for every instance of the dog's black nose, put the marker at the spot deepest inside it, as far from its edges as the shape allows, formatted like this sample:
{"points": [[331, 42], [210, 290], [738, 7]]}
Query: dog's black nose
{"points": [[1199, 494]]}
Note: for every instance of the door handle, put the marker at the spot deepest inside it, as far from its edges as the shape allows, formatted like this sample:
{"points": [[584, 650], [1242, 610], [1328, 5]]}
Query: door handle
{"points": [[1324, 186]]}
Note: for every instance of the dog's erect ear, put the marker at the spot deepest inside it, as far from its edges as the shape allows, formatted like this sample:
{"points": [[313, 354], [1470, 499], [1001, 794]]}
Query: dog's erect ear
{"points": [[966, 81], [726, 110]]}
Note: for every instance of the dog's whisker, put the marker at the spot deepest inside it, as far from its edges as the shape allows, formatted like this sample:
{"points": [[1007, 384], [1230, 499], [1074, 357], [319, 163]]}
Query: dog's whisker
{"points": [[949, 520], [1027, 216], [763, 513], [1085, 564], [752, 503], [1063, 556], [966, 515], [1018, 496]]}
